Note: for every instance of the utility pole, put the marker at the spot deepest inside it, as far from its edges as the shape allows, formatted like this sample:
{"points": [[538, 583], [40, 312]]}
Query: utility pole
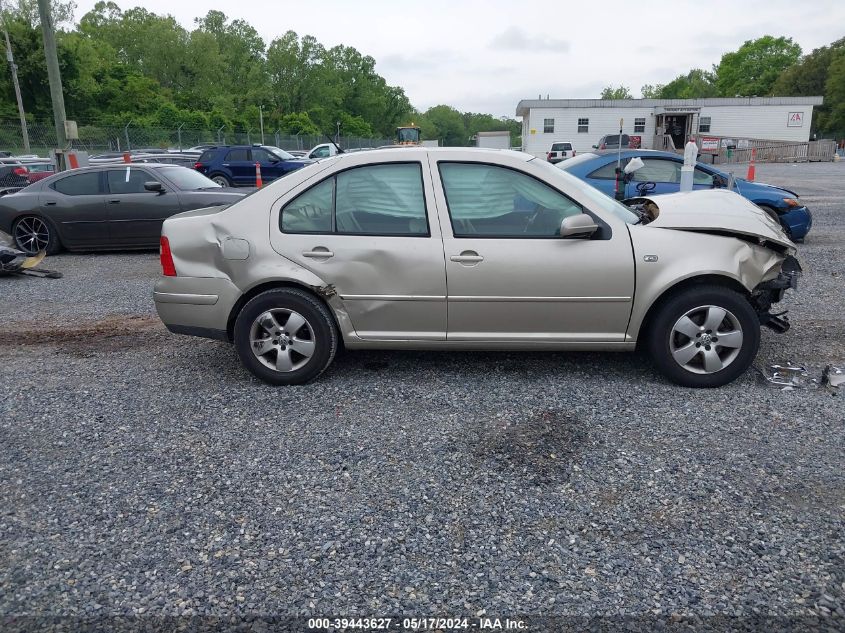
{"points": [[261, 119], [14, 68], [53, 73]]}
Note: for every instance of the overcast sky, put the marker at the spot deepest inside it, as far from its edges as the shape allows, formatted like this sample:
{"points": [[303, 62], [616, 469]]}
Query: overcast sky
{"points": [[486, 55]]}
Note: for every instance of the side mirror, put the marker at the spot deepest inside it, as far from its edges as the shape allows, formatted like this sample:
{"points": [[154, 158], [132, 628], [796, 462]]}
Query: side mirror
{"points": [[155, 186], [719, 181], [581, 225], [274, 159]]}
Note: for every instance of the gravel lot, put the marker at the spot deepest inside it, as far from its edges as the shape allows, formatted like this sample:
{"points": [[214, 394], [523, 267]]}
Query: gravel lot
{"points": [[147, 473]]}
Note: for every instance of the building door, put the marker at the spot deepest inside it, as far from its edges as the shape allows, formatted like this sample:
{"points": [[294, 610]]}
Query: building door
{"points": [[676, 127]]}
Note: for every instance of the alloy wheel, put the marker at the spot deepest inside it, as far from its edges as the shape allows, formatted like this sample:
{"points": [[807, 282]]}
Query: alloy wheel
{"points": [[706, 339], [282, 340], [32, 235]]}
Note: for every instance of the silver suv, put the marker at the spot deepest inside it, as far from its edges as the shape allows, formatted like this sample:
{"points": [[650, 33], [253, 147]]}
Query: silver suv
{"points": [[450, 248]]}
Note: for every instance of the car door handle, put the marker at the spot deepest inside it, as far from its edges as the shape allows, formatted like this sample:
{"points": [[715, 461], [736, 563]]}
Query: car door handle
{"points": [[318, 253], [51, 203], [225, 164], [114, 201], [467, 257]]}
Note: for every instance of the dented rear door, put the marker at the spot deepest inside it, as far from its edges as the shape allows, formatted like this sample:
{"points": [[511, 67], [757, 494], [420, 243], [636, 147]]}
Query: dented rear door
{"points": [[372, 233]]}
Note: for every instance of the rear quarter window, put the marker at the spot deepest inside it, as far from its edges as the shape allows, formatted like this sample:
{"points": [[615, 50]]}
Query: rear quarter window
{"points": [[207, 155], [85, 184]]}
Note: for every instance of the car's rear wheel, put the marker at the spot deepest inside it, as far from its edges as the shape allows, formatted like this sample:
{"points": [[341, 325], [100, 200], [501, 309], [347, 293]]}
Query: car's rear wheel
{"points": [[222, 180], [33, 234], [285, 336], [705, 336]]}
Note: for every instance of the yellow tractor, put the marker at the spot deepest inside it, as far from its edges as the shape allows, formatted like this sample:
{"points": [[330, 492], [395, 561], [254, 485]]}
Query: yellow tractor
{"points": [[408, 135]]}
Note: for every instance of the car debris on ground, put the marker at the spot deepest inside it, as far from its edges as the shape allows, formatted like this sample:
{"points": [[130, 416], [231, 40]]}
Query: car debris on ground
{"points": [[16, 262]]}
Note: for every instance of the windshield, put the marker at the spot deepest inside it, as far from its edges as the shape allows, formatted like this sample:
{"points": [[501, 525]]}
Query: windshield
{"points": [[187, 179], [278, 151], [596, 197]]}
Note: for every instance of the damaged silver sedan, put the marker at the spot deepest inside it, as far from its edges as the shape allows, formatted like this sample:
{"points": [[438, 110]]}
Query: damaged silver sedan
{"points": [[457, 249]]}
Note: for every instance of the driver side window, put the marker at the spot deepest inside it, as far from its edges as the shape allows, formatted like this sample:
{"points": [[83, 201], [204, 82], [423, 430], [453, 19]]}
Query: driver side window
{"points": [[490, 201], [701, 177]]}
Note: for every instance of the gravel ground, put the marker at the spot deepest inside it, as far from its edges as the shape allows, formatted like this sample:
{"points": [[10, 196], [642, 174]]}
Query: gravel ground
{"points": [[147, 473]]}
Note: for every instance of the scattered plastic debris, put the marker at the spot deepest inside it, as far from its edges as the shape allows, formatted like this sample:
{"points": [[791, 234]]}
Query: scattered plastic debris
{"points": [[789, 376], [833, 376], [793, 376], [16, 262]]}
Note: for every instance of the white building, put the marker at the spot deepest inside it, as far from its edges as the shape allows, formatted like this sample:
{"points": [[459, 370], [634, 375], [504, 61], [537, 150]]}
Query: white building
{"points": [[584, 121]]}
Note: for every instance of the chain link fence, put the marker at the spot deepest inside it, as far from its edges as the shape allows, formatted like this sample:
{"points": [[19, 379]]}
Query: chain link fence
{"points": [[96, 139]]}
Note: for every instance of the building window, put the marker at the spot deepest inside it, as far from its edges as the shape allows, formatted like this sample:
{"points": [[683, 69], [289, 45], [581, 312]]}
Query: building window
{"points": [[583, 125], [639, 125], [548, 126], [704, 124]]}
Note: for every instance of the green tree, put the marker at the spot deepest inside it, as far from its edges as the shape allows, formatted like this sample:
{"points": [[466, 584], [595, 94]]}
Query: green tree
{"points": [[650, 91], [27, 10], [832, 121], [613, 92], [448, 124], [812, 77], [754, 68], [696, 84]]}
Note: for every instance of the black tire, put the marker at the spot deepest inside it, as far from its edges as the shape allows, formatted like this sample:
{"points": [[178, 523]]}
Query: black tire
{"points": [[222, 177], [317, 317], [661, 336], [53, 245], [775, 216]]}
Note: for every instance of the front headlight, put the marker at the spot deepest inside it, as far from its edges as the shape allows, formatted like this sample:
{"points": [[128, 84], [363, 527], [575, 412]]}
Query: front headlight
{"points": [[791, 202]]}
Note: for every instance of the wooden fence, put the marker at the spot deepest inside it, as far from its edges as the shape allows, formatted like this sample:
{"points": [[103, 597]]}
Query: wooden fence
{"points": [[767, 151]]}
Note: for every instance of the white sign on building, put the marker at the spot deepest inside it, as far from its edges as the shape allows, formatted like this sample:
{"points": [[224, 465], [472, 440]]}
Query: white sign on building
{"points": [[796, 119]]}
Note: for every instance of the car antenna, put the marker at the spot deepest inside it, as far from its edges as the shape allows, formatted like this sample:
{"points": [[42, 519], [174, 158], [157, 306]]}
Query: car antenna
{"points": [[331, 140]]}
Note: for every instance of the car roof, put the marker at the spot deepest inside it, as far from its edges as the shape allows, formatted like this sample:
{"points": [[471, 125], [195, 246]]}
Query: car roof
{"points": [[636, 152]]}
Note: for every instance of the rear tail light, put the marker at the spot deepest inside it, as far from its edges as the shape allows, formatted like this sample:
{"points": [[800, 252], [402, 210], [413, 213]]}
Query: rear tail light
{"points": [[549, 156], [603, 146], [168, 269], [198, 166], [21, 171]]}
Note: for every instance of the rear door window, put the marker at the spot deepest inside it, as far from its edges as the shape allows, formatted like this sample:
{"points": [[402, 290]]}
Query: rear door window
{"points": [[607, 172], [373, 200], [85, 184], [235, 155], [381, 200]]}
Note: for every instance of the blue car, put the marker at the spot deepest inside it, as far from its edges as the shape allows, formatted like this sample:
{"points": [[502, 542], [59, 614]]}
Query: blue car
{"points": [[234, 165], [661, 173]]}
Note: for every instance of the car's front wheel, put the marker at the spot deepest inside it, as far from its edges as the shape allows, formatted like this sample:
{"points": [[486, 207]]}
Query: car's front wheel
{"points": [[705, 336], [33, 234], [285, 336]]}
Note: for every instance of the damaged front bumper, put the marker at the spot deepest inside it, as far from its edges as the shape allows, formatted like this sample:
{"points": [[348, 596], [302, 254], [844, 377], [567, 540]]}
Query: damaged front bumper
{"points": [[772, 291]]}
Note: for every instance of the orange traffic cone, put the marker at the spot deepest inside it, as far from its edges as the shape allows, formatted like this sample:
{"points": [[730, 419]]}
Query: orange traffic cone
{"points": [[72, 160], [752, 171], [127, 158], [258, 181]]}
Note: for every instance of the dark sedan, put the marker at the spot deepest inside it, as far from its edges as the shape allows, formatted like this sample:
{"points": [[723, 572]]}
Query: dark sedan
{"points": [[106, 207]]}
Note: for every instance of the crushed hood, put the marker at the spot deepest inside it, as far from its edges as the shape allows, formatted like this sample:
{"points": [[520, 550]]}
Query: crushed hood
{"points": [[717, 211]]}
